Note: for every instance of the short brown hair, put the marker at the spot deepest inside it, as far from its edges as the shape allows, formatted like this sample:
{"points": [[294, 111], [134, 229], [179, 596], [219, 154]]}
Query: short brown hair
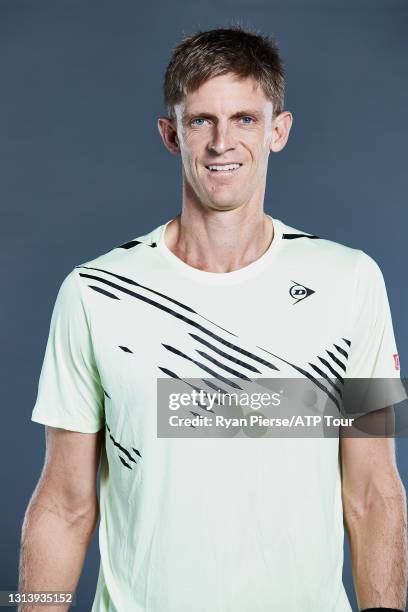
{"points": [[203, 55]]}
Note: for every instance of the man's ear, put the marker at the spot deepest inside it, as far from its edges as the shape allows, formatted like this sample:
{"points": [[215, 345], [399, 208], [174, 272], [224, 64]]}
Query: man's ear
{"points": [[168, 132], [280, 131]]}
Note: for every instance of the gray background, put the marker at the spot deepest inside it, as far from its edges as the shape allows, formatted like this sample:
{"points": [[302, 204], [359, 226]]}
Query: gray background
{"points": [[83, 169]]}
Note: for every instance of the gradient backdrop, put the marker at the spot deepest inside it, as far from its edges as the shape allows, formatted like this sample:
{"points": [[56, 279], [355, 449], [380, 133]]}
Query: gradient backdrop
{"points": [[83, 168]]}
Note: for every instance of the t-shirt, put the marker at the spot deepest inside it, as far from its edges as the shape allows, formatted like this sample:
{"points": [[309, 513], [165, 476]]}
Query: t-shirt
{"points": [[213, 524]]}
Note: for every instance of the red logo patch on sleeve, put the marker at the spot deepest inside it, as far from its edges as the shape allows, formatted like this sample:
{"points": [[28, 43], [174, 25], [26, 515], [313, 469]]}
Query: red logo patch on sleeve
{"points": [[396, 361]]}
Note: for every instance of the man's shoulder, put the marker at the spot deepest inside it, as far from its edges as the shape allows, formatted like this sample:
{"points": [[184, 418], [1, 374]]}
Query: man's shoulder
{"points": [[306, 243], [328, 257], [137, 248]]}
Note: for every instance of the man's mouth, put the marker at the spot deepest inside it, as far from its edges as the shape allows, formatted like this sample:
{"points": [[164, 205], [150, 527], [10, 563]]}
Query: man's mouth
{"points": [[223, 167]]}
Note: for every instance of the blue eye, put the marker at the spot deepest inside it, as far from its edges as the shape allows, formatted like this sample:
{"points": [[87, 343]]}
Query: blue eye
{"points": [[247, 122], [195, 121]]}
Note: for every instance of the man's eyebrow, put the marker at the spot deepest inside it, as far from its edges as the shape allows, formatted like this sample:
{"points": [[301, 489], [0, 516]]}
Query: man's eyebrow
{"points": [[242, 113], [248, 113]]}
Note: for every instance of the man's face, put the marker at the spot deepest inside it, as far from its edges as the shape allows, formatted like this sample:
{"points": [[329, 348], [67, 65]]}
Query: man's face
{"points": [[224, 132]]}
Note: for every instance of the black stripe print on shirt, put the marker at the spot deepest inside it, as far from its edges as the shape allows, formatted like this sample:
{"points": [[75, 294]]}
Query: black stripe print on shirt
{"points": [[129, 458], [133, 243], [312, 378], [184, 318], [130, 281], [334, 359], [294, 236]]}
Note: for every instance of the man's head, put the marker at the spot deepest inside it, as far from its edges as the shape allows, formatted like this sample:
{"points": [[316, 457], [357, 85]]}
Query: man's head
{"points": [[224, 94]]}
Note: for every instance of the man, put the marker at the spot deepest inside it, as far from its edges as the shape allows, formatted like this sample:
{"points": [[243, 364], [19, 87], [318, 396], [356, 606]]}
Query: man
{"points": [[223, 289]]}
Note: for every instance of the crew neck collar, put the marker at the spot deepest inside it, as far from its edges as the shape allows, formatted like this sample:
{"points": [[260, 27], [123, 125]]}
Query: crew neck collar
{"points": [[221, 278]]}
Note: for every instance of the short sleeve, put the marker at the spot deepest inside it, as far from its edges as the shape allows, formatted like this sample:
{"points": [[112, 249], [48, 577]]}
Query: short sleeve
{"points": [[70, 394], [373, 351]]}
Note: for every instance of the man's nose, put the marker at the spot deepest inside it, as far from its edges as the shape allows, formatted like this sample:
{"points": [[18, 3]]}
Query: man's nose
{"points": [[222, 138]]}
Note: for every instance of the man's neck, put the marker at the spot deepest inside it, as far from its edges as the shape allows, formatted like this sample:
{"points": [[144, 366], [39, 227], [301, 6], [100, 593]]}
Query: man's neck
{"points": [[219, 241]]}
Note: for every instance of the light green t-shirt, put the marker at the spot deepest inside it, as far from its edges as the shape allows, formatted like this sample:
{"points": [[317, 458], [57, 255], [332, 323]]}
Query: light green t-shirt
{"points": [[217, 524]]}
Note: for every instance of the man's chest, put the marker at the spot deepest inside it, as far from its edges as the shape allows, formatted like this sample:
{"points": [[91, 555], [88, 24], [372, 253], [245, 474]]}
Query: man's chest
{"points": [[286, 326]]}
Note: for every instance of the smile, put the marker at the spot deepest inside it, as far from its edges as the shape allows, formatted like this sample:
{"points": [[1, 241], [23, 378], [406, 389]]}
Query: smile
{"points": [[224, 168]]}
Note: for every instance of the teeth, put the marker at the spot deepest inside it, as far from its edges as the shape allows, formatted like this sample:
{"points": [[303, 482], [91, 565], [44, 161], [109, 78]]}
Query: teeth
{"points": [[224, 167]]}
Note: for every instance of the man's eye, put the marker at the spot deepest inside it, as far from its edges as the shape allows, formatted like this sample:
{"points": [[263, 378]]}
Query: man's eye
{"points": [[247, 120], [198, 121]]}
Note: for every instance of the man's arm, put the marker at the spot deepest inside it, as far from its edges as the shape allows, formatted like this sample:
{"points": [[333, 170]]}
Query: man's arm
{"points": [[374, 505], [61, 515]]}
